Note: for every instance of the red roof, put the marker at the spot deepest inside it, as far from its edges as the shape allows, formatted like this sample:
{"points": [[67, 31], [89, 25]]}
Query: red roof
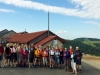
{"points": [[25, 38], [45, 40]]}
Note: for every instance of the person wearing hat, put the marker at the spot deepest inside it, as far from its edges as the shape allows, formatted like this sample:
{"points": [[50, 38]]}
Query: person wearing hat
{"points": [[1, 53]]}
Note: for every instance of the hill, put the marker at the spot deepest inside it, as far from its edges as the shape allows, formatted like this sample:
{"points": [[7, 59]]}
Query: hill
{"points": [[83, 39], [87, 49], [90, 41]]}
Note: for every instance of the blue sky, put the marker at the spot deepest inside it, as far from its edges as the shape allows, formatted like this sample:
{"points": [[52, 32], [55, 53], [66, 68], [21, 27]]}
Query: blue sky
{"points": [[69, 19]]}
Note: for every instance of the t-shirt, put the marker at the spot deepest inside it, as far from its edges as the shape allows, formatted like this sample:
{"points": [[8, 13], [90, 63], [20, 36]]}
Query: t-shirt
{"points": [[45, 54], [52, 52], [13, 50], [37, 53], [24, 53], [71, 51], [61, 54], [31, 54], [57, 53]]}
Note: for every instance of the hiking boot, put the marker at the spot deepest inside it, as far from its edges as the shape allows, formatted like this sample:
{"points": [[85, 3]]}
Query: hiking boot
{"points": [[34, 66], [77, 70], [40, 66], [50, 67]]}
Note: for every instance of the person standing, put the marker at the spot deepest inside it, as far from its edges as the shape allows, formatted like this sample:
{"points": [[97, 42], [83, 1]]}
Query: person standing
{"points": [[1, 53], [31, 57], [61, 57], [19, 57], [45, 56], [41, 57], [71, 51], [24, 53], [78, 54], [37, 57], [48, 50], [7, 53], [57, 59], [73, 62], [52, 57], [66, 57], [13, 56]]}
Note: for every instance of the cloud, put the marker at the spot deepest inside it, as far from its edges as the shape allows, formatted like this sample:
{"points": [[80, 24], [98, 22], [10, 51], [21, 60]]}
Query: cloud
{"points": [[83, 8], [61, 32], [93, 23], [7, 11]]}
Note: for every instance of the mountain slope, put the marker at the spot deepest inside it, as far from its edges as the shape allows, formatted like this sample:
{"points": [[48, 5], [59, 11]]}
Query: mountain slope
{"points": [[89, 41], [87, 49]]}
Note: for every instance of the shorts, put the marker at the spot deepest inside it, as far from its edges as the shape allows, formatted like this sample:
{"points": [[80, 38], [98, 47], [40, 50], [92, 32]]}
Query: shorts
{"points": [[78, 62], [57, 60], [38, 58], [31, 60], [14, 57], [1, 57], [52, 58], [7, 57]]}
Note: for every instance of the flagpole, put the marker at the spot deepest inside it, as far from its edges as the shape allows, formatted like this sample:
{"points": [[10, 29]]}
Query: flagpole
{"points": [[48, 17]]}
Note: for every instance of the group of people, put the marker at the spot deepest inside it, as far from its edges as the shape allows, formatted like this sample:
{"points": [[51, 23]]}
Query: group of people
{"points": [[50, 57]]}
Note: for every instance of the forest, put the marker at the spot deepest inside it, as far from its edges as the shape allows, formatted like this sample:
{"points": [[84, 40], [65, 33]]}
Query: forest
{"points": [[85, 48]]}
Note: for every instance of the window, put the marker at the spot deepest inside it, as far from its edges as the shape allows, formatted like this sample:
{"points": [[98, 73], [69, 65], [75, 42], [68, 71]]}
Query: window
{"points": [[55, 42]]}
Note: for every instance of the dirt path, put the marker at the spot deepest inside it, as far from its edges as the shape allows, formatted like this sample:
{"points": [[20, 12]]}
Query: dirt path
{"points": [[92, 60]]}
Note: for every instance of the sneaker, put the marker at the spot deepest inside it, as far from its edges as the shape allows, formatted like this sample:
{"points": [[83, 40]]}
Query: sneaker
{"points": [[29, 66]]}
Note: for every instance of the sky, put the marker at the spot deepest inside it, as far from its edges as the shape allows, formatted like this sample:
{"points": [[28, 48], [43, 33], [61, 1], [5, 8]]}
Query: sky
{"points": [[68, 19]]}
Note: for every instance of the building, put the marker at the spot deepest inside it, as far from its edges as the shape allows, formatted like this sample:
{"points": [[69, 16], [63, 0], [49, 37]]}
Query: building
{"points": [[5, 34], [38, 38]]}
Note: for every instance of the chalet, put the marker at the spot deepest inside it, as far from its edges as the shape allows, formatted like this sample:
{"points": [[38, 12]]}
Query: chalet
{"points": [[5, 34], [38, 38]]}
